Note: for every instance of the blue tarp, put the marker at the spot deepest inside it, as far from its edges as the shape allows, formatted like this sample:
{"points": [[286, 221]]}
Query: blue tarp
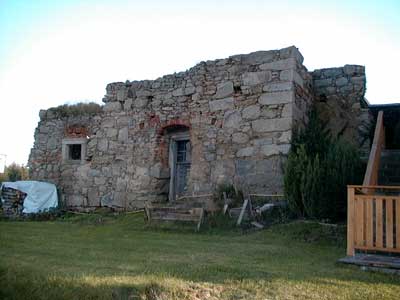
{"points": [[40, 196]]}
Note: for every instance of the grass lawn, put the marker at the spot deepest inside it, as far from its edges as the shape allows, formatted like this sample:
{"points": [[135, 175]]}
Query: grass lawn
{"points": [[122, 258]]}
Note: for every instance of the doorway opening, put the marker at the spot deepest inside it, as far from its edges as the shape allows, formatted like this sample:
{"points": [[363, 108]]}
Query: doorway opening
{"points": [[179, 160]]}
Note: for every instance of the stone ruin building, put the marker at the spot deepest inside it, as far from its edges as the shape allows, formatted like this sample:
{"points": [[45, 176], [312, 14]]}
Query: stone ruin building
{"points": [[222, 121]]}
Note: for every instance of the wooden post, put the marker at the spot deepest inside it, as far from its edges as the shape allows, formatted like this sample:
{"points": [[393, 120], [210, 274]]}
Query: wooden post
{"points": [[200, 219], [147, 212], [239, 221], [225, 204], [350, 221]]}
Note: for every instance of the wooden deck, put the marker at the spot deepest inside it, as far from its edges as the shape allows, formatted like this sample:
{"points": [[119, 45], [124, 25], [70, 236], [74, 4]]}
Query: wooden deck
{"points": [[390, 264]]}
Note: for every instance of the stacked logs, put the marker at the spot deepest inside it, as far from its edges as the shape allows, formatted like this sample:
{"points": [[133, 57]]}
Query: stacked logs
{"points": [[12, 202]]}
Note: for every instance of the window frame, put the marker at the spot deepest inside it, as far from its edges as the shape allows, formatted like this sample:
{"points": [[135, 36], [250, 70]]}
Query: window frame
{"points": [[66, 143]]}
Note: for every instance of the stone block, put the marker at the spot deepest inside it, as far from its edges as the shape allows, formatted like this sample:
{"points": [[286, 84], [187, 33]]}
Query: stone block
{"points": [[291, 51], [159, 172], [75, 200], [270, 150], [107, 122], [322, 82], [254, 78], [245, 167], [262, 141], [240, 138], [285, 137], [128, 104], [332, 72], [140, 102], [283, 64], [291, 75], [341, 81], [93, 197], [232, 119], [111, 132], [352, 70], [224, 89], [222, 171], [222, 104], [120, 185], [99, 180], [251, 112], [121, 94], [178, 92], [123, 134], [53, 143], [112, 106], [276, 98], [278, 86], [42, 114], [271, 125], [189, 90], [102, 145], [244, 152], [287, 110], [107, 200], [270, 112], [258, 57]]}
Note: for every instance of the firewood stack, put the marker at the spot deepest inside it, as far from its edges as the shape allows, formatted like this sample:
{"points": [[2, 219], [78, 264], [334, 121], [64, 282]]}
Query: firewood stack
{"points": [[12, 202]]}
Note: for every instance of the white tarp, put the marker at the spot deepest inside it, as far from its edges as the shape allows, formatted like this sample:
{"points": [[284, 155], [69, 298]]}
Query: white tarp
{"points": [[40, 196]]}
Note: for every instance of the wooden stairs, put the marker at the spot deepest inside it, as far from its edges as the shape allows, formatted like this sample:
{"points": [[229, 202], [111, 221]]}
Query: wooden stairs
{"points": [[182, 211]]}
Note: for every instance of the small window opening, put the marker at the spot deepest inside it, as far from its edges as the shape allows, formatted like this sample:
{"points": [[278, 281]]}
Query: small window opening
{"points": [[323, 98], [75, 152], [237, 89], [150, 98]]}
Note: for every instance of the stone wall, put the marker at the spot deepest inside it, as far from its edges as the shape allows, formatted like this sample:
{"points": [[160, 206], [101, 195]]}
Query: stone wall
{"points": [[239, 112], [339, 97], [46, 161]]}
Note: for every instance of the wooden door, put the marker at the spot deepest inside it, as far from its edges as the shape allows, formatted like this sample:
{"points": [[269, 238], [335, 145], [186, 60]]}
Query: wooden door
{"points": [[183, 161]]}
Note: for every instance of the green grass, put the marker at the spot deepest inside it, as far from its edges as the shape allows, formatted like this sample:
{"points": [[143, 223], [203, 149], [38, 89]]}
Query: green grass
{"points": [[100, 257]]}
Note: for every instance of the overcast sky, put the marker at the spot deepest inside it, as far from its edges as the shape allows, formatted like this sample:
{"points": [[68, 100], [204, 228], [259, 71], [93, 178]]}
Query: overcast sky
{"points": [[56, 52]]}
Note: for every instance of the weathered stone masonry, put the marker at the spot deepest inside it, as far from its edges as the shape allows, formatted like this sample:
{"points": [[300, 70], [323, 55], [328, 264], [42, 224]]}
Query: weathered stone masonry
{"points": [[238, 113]]}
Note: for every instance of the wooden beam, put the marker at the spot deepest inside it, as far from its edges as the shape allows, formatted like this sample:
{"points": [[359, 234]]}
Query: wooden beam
{"points": [[350, 221], [239, 221]]}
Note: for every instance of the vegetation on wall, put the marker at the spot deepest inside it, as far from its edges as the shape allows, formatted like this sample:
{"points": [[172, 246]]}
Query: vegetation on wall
{"points": [[318, 170], [78, 109]]}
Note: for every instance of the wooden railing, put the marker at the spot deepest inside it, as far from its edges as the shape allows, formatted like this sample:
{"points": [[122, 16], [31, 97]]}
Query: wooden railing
{"points": [[371, 174], [373, 219]]}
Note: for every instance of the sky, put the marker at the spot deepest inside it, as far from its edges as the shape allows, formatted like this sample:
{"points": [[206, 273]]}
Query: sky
{"points": [[57, 52]]}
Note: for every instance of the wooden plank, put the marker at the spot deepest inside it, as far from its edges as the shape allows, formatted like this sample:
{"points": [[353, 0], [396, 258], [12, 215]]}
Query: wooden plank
{"points": [[397, 223], [147, 211], [371, 177], [389, 187], [225, 209], [389, 223], [395, 250], [200, 219], [359, 222], [369, 220], [350, 221], [175, 217], [379, 223], [380, 197], [239, 221], [194, 196], [267, 195]]}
